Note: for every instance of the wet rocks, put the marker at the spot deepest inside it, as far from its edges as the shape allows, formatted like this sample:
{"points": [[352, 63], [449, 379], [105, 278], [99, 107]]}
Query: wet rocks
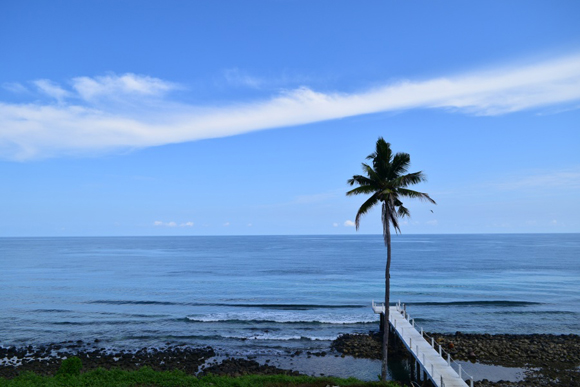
{"points": [[47, 359], [537, 350], [238, 367], [552, 360], [368, 346], [358, 345]]}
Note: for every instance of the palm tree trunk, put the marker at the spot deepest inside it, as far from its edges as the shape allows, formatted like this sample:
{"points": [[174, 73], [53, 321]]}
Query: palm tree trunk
{"points": [[387, 237]]}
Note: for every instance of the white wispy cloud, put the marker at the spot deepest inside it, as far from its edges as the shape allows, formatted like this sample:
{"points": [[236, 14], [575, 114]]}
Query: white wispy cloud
{"points": [[239, 78], [82, 123], [15, 87], [51, 89], [236, 77], [349, 223], [90, 89], [159, 223]]}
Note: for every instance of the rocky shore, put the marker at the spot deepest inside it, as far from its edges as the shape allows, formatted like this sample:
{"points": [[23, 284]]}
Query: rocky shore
{"points": [[553, 360], [239, 367], [46, 360], [550, 360], [366, 346], [514, 350]]}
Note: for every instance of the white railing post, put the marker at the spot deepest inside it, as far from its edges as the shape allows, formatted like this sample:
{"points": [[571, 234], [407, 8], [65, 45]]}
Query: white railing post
{"points": [[402, 308]]}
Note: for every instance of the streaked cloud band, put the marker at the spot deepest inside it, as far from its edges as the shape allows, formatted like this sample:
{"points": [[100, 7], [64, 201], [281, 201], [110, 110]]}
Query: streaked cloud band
{"points": [[101, 114]]}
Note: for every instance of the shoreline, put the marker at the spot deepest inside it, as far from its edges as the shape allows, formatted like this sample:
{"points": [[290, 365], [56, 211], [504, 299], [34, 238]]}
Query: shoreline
{"points": [[547, 360], [193, 360], [544, 359]]}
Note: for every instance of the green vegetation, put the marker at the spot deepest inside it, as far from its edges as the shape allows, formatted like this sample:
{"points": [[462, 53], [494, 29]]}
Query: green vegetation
{"points": [[71, 367], [387, 181], [146, 377]]}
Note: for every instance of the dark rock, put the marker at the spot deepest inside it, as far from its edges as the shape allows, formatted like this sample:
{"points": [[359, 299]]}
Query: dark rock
{"points": [[237, 367], [186, 359], [366, 346]]}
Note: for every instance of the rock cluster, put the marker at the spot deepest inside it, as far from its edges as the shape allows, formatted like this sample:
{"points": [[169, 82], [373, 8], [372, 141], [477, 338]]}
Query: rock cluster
{"points": [[45, 360], [552, 360], [366, 346], [514, 350], [238, 367]]}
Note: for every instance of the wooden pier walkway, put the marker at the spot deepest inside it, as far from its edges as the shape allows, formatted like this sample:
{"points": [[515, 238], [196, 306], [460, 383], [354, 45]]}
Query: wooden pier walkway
{"points": [[429, 360]]}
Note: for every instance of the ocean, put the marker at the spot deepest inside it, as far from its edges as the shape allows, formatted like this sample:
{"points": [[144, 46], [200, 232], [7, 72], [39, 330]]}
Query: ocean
{"points": [[253, 295]]}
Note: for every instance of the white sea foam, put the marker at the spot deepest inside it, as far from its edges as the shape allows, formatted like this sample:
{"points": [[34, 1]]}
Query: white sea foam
{"points": [[281, 317], [13, 361], [293, 286], [269, 336]]}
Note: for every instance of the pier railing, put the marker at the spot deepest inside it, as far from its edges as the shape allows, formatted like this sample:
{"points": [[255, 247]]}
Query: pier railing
{"points": [[466, 377]]}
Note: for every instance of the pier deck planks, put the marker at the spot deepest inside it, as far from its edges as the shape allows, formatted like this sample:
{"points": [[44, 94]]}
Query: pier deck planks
{"points": [[429, 359]]}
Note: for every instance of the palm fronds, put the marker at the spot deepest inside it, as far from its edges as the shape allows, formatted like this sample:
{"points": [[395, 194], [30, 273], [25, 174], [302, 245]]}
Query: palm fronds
{"points": [[386, 179]]}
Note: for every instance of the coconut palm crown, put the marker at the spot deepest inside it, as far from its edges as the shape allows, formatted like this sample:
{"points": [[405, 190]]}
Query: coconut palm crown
{"points": [[387, 181]]}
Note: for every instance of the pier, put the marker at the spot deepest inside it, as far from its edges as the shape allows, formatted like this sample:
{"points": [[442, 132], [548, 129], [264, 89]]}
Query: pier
{"points": [[431, 361]]}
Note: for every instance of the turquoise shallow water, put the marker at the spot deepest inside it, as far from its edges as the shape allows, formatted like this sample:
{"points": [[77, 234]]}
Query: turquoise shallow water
{"points": [[272, 294]]}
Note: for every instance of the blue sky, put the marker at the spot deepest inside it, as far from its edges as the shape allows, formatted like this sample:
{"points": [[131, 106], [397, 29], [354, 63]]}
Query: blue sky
{"points": [[247, 117]]}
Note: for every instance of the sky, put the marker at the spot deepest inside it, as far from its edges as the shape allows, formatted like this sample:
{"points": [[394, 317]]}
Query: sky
{"points": [[122, 118]]}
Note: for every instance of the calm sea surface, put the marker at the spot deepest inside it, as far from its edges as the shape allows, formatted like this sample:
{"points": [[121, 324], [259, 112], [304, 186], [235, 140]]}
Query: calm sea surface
{"points": [[270, 294]]}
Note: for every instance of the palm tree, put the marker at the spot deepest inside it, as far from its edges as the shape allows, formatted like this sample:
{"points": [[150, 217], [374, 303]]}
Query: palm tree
{"points": [[387, 181]]}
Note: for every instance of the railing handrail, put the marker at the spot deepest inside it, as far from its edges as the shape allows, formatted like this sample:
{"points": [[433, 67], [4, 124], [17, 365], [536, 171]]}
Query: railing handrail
{"points": [[441, 351]]}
